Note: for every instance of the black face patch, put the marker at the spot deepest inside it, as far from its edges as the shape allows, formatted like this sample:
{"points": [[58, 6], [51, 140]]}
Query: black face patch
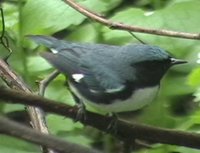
{"points": [[149, 73]]}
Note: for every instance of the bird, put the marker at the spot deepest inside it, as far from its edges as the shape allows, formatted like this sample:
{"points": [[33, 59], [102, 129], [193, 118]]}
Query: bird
{"points": [[109, 78]]}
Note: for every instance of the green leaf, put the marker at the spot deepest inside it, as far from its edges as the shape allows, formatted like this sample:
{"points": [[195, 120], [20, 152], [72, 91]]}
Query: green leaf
{"points": [[178, 17], [85, 33], [42, 17], [11, 107], [37, 64], [58, 123], [67, 129], [176, 86], [57, 90], [193, 78], [10, 144], [197, 95], [10, 17], [110, 4]]}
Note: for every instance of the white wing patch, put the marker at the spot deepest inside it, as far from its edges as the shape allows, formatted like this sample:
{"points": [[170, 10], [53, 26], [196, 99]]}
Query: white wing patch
{"points": [[115, 90], [109, 90], [54, 51], [77, 77], [94, 91]]}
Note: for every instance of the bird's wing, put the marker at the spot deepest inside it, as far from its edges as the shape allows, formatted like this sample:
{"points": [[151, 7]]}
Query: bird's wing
{"points": [[88, 70], [98, 78], [94, 76], [65, 65]]}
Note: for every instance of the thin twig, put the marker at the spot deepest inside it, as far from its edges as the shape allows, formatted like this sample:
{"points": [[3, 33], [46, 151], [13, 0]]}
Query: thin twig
{"points": [[124, 130], [3, 39], [17, 130], [42, 86], [132, 34], [122, 26], [45, 82], [2, 23]]}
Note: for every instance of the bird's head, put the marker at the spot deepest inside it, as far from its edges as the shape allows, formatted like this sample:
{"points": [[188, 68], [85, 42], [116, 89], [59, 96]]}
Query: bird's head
{"points": [[150, 63]]}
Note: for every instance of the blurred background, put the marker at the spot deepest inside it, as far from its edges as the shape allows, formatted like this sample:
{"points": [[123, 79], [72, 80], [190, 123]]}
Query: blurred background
{"points": [[177, 104]]}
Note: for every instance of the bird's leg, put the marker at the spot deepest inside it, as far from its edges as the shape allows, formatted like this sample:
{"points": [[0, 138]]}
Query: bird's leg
{"points": [[81, 113], [112, 127], [127, 146]]}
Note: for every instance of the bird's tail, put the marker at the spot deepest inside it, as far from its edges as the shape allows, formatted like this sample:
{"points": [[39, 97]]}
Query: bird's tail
{"points": [[43, 40], [50, 42]]}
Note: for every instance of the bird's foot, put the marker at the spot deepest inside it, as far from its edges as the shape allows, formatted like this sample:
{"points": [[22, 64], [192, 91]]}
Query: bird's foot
{"points": [[112, 126], [81, 113]]}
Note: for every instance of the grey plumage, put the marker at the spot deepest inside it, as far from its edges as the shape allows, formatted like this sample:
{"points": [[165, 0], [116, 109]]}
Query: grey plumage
{"points": [[103, 73], [105, 66]]}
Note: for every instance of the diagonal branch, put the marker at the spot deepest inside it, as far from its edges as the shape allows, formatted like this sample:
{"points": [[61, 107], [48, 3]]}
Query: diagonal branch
{"points": [[122, 26], [17, 130], [13, 81], [124, 130]]}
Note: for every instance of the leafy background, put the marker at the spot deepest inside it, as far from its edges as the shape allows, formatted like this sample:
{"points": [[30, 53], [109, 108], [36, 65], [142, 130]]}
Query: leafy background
{"points": [[177, 105]]}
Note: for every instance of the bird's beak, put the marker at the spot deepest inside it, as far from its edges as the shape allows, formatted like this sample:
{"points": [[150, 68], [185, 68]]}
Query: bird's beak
{"points": [[175, 61]]}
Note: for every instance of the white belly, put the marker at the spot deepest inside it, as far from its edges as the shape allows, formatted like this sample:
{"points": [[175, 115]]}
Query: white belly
{"points": [[139, 99]]}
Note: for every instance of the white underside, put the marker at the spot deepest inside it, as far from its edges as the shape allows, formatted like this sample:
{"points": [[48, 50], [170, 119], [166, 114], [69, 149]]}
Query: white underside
{"points": [[139, 99]]}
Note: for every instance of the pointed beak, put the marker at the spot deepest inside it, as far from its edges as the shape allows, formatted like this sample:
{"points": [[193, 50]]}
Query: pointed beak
{"points": [[175, 61]]}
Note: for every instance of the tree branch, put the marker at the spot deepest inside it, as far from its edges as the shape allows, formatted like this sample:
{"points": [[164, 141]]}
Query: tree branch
{"points": [[14, 82], [17, 130], [122, 26], [124, 130]]}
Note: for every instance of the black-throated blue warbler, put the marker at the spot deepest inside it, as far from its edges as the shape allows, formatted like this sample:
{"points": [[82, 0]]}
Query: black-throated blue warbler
{"points": [[109, 78]]}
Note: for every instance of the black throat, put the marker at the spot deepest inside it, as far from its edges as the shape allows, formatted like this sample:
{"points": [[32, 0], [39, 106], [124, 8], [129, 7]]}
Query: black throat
{"points": [[150, 73]]}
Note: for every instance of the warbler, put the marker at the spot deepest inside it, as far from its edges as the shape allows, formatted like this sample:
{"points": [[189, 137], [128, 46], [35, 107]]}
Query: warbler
{"points": [[109, 78]]}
